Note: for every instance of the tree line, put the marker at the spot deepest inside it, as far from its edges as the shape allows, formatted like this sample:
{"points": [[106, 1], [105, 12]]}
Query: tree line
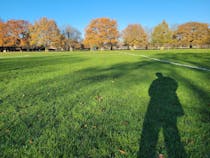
{"points": [[101, 33], [44, 34]]}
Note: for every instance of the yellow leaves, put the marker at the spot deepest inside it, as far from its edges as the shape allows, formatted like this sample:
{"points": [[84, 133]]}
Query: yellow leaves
{"points": [[134, 35], [45, 33], [162, 34]]}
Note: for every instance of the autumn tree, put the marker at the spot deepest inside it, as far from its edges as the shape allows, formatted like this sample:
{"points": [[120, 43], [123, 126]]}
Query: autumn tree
{"points": [[162, 35], [101, 32], [208, 39], [2, 30], [23, 34], [134, 35], [62, 44], [73, 37], [192, 33], [45, 33], [15, 33]]}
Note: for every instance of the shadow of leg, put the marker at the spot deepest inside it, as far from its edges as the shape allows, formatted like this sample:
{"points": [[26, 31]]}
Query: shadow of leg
{"points": [[174, 146], [149, 140]]}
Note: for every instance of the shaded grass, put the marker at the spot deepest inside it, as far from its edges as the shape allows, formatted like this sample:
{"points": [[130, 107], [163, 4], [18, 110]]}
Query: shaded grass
{"points": [[93, 105], [194, 57]]}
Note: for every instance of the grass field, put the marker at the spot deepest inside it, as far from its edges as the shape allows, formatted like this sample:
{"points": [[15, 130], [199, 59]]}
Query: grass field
{"points": [[104, 104]]}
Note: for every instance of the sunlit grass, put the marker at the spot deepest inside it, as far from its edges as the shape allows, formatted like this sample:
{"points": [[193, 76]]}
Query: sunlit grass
{"points": [[93, 104]]}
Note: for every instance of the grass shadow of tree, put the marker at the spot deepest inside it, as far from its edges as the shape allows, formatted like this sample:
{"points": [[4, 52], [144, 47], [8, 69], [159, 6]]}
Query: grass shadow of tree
{"points": [[192, 58], [37, 111], [163, 110], [8, 64]]}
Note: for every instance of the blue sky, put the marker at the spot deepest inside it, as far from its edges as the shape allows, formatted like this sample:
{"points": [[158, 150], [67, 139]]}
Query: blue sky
{"points": [[78, 13]]}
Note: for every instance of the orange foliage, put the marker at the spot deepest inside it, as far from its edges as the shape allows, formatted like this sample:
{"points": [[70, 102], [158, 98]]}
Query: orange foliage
{"points": [[2, 26], [45, 33], [192, 33], [14, 33], [101, 32]]}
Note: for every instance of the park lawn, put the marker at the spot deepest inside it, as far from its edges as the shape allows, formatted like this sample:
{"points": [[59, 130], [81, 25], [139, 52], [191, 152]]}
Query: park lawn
{"points": [[94, 104], [194, 57]]}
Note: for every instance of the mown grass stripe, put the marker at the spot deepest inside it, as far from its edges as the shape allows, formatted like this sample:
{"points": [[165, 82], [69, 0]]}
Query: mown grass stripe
{"points": [[170, 62]]}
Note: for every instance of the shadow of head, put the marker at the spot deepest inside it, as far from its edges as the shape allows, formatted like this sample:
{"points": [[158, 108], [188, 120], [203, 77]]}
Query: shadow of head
{"points": [[159, 75], [163, 86]]}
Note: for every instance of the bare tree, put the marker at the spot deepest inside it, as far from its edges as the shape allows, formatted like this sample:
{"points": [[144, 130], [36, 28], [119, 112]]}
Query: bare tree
{"points": [[73, 37]]}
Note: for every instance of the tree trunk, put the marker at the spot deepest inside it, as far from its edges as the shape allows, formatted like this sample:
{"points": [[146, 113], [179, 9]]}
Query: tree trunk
{"points": [[71, 49], [46, 49]]}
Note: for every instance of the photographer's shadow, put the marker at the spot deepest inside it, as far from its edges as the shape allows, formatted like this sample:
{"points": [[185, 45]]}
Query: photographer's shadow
{"points": [[163, 110]]}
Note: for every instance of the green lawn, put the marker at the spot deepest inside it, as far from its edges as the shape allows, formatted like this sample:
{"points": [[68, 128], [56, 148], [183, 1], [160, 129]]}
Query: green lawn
{"points": [[104, 105]]}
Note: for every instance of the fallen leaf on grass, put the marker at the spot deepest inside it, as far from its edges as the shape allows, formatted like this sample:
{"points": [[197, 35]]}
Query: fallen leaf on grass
{"points": [[84, 126], [125, 123], [99, 98], [7, 131], [122, 151], [30, 141]]}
